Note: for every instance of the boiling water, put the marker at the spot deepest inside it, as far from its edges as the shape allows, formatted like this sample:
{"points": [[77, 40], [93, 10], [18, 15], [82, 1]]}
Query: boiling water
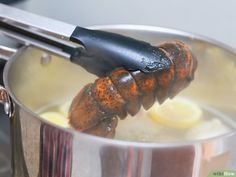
{"points": [[144, 128]]}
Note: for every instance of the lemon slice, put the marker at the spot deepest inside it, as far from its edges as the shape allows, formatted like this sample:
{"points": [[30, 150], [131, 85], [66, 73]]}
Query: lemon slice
{"points": [[64, 108], [177, 113], [55, 118]]}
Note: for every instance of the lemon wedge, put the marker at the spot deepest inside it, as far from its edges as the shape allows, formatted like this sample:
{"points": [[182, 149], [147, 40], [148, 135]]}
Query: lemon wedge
{"points": [[177, 113], [55, 118], [64, 108]]}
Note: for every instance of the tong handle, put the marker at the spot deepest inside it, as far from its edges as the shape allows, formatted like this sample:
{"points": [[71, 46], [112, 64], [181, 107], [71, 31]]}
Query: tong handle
{"points": [[105, 49], [39, 31], [36, 24]]}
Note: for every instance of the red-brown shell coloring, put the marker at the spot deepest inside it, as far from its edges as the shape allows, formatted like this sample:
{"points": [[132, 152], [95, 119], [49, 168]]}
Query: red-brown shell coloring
{"points": [[96, 107]]}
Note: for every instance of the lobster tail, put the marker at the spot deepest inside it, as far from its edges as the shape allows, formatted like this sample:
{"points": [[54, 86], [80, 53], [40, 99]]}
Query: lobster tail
{"points": [[96, 108]]}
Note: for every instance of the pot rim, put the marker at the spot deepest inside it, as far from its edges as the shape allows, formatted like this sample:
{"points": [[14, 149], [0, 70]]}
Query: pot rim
{"points": [[189, 35]]}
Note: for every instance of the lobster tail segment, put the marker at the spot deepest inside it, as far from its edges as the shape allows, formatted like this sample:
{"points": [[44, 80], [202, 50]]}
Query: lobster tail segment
{"points": [[184, 65]]}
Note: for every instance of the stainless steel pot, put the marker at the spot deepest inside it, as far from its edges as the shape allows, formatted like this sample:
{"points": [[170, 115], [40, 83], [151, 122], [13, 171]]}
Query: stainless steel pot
{"points": [[35, 78]]}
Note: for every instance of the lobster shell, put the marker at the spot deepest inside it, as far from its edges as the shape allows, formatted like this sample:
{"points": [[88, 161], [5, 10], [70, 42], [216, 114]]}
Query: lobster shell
{"points": [[96, 107]]}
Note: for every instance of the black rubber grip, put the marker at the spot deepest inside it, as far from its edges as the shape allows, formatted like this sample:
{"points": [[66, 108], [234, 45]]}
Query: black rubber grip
{"points": [[120, 50]]}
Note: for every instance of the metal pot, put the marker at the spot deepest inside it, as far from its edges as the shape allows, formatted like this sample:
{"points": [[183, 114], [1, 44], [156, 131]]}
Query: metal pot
{"points": [[35, 78]]}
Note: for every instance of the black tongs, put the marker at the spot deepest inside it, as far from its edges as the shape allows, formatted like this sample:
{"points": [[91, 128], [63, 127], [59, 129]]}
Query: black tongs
{"points": [[97, 51]]}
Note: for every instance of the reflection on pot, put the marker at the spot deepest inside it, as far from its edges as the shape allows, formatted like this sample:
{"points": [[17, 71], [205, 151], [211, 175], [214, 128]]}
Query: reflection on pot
{"points": [[56, 152], [113, 159]]}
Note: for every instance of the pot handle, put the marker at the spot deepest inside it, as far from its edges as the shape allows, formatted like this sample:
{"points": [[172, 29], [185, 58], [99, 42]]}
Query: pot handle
{"points": [[5, 99], [6, 53]]}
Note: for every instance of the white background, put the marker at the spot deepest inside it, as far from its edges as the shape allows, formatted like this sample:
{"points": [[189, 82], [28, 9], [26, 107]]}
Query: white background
{"points": [[212, 18]]}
